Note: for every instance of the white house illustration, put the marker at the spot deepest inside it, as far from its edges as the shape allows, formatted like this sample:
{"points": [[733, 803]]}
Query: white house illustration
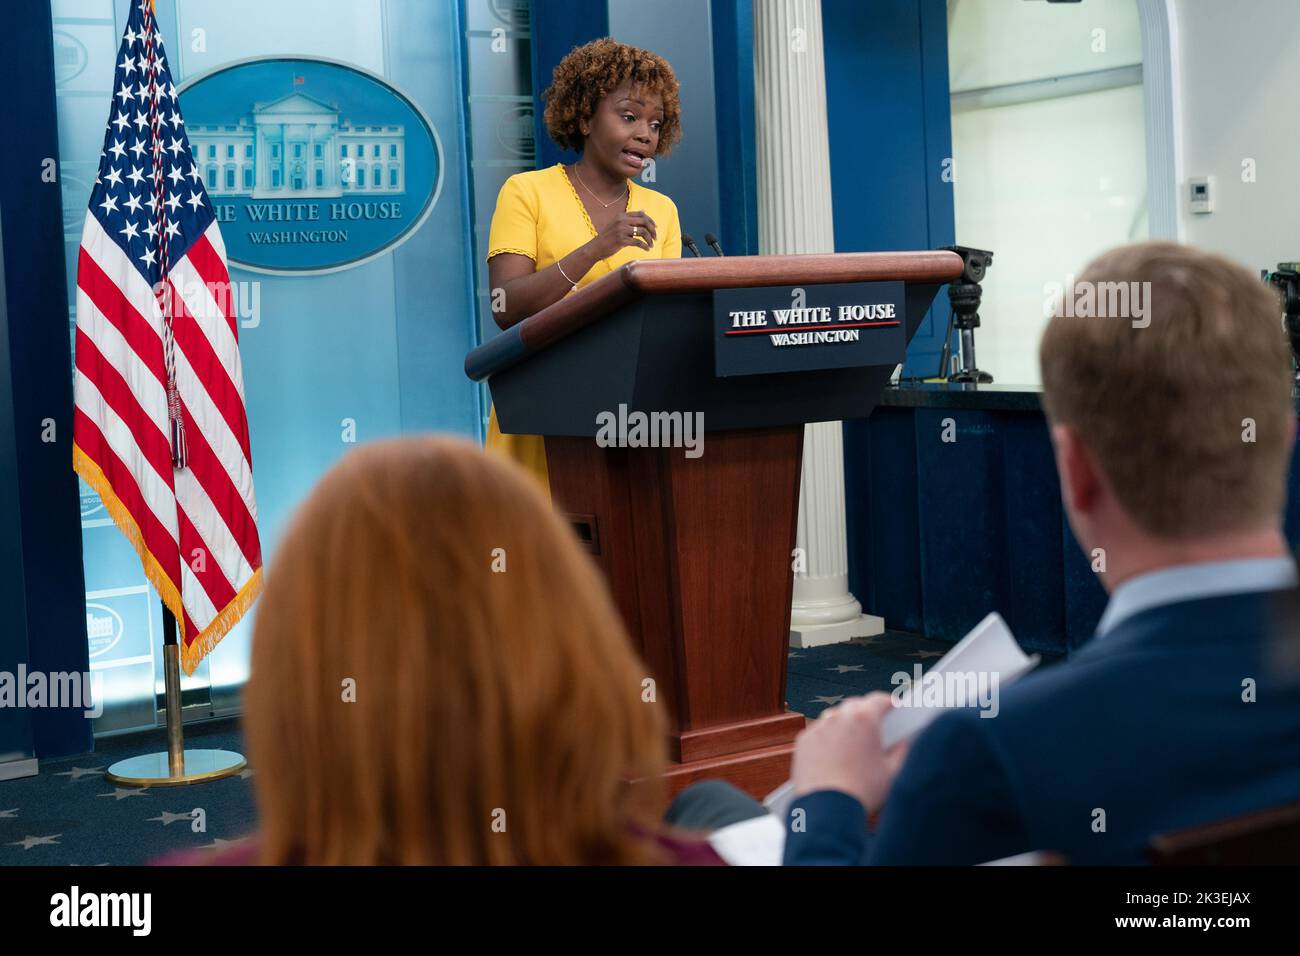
{"points": [[296, 148]]}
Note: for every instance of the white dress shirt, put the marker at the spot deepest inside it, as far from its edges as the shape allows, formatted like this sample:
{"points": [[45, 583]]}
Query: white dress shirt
{"points": [[1202, 579]]}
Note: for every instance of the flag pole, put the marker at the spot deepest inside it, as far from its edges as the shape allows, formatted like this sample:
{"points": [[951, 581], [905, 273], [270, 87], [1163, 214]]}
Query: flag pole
{"points": [[177, 766], [172, 691]]}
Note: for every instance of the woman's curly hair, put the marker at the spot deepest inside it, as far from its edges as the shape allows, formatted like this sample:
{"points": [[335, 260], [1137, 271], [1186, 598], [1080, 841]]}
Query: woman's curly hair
{"points": [[589, 72]]}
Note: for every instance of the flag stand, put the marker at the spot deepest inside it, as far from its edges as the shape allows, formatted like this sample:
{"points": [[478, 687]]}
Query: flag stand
{"points": [[177, 766]]}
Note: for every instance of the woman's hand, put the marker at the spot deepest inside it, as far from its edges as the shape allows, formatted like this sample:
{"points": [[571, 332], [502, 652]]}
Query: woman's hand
{"points": [[619, 233], [518, 291]]}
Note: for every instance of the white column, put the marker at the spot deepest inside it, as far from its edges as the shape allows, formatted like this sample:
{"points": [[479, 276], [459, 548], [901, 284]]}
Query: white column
{"points": [[794, 216]]}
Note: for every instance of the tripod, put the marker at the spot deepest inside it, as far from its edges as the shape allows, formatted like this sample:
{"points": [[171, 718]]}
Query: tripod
{"points": [[965, 298]]}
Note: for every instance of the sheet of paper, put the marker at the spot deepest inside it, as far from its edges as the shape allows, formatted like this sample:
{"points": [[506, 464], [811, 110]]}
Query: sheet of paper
{"points": [[983, 661], [988, 649], [756, 842]]}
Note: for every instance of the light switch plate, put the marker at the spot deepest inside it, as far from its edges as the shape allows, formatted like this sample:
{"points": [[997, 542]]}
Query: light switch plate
{"points": [[1200, 195]]}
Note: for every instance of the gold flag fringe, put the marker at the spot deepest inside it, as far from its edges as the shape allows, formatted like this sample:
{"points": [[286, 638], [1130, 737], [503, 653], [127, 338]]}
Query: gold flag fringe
{"points": [[94, 476], [194, 651], [211, 636]]}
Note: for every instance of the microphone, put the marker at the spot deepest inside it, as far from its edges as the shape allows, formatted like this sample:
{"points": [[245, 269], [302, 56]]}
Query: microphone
{"points": [[712, 240], [689, 243]]}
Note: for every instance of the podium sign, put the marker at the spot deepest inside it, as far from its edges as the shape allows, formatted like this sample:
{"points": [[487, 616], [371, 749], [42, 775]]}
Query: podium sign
{"points": [[785, 328]]}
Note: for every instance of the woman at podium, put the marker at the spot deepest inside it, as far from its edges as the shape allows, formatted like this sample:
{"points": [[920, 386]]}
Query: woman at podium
{"points": [[558, 229]]}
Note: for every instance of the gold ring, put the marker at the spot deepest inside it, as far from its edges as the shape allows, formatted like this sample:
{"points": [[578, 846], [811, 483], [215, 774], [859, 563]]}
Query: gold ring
{"points": [[635, 231]]}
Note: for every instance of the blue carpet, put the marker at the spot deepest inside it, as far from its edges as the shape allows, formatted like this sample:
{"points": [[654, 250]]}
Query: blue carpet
{"points": [[819, 677], [70, 815]]}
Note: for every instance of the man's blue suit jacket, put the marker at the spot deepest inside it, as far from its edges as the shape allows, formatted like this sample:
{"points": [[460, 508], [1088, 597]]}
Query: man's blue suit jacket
{"points": [[1146, 729]]}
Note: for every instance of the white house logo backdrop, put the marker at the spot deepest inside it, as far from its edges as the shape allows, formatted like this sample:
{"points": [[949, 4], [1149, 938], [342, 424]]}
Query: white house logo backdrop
{"points": [[311, 165]]}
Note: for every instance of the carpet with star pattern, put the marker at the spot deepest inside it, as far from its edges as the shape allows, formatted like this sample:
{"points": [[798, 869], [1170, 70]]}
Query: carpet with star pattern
{"points": [[819, 677], [68, 814]]}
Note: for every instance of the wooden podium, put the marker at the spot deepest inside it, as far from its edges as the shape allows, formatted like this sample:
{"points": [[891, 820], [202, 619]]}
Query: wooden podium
{"points": [[697, 551]]}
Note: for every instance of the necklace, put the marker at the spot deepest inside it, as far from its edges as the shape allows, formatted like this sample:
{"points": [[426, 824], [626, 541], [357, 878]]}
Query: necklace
{"points": [[593, 195]]}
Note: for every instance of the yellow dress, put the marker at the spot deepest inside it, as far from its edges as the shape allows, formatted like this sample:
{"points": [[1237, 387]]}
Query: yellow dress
{"points": [[539, 215]]}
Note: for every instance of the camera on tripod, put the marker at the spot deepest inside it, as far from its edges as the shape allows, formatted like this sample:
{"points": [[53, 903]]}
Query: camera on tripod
{"points": [[965, 293], [1286, 279]]}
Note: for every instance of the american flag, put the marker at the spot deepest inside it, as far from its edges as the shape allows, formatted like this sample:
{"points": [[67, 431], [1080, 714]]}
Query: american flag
{"points": [[161, 431]]}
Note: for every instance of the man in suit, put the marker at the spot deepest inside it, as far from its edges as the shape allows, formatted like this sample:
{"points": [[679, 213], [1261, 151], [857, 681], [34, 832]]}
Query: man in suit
{"points": [[1172, 427]]}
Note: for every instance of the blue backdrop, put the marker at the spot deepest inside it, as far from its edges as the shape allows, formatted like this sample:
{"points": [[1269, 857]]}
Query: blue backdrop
{"points": [[329, 360]]}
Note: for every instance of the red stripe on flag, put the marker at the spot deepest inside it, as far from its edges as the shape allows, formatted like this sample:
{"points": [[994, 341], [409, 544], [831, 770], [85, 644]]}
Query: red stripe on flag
{"points": [[189, 630], [209, 371], [156, 538], [122, 312], [212, 475], [212, 270], [153, 443], [219, 590]]}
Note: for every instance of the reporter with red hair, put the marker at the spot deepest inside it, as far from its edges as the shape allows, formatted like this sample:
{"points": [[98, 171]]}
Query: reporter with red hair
{"points": [[439, 676]]}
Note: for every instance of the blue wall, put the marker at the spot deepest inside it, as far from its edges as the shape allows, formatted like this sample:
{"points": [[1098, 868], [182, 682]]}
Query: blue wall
{"points": [[45, 607], [890, 131], [15, 726], [733, 66]]}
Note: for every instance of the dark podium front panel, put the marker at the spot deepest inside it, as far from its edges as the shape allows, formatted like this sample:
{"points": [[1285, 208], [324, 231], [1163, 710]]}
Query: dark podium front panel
{"points": [[656, 355]]}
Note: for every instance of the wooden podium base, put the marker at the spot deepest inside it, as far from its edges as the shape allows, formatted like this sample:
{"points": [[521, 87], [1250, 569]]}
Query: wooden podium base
{"points": [[757, 772], [697, 553]]}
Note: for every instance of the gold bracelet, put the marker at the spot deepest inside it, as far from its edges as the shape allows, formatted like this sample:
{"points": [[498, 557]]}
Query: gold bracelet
{"points": [[572, 285]]}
